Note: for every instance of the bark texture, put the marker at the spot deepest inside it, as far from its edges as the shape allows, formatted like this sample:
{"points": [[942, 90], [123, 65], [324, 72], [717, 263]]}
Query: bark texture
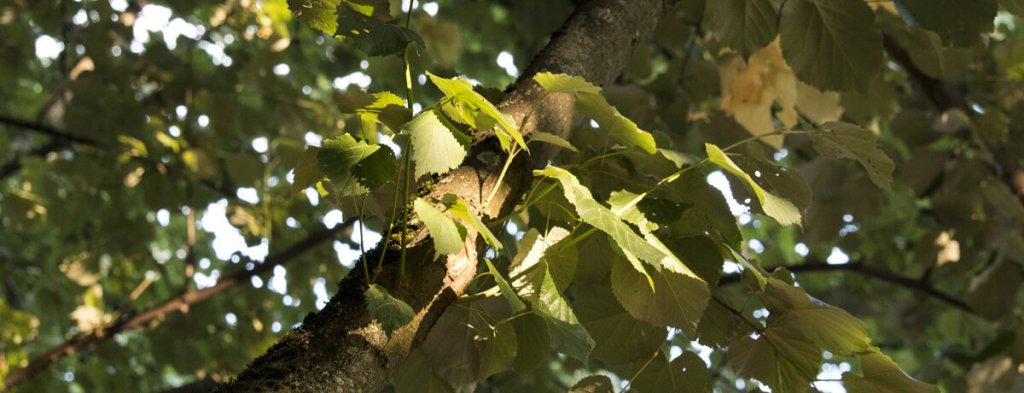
{"points": [[340, 348]]}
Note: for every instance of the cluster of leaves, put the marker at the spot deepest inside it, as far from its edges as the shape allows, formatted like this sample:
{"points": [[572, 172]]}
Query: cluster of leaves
{"points": [[619, 241]]}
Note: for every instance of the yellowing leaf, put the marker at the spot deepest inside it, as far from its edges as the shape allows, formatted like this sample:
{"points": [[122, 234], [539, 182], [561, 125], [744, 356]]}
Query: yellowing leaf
{"points": [[780, 209], [750, 88]]}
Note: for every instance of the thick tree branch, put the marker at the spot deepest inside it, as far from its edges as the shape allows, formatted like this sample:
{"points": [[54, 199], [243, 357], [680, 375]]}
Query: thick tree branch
{"points": [[341, 348], [917, 285], [161, 311]]}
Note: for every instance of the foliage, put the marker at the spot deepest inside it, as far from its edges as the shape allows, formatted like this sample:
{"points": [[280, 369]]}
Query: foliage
{"points": [[159, 148]]}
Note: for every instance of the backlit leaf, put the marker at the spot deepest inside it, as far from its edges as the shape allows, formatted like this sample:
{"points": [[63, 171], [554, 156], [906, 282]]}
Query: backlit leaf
{"points": [[448, 236], [435, 146], [780, 209], [881, 375], [458, 208]]}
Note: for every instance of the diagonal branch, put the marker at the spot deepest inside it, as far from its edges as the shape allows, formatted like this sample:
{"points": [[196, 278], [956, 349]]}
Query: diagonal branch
{"points": [[180, 303], [341, 348], [917, 285]]}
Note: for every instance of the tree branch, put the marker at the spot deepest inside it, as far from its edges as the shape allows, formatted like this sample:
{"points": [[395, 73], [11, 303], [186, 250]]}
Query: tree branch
{"points": [[341, 348], [180, 303], [918, 285]]}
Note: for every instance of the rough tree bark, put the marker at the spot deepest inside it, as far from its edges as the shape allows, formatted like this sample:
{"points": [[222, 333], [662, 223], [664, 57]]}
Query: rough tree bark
{"points": [[340, 349]]}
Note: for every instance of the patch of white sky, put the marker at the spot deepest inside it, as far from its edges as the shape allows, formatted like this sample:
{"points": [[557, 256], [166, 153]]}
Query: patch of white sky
{"points": [[507, 62], [227, 239], [153, 18], [347, 255]]}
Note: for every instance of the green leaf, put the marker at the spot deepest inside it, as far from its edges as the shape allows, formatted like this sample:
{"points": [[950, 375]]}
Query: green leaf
{"points": [[338, 158], [461, 91], [743, 25], [602, 218], [533, 340], [507, 292], [844, 140], [320, 14], [467, 345], [780, 209], [536, 285], [562, 83], [593, 384], [458, 208], [498, 351], [392, 313], [782, 359], [618, 126], [685, 373], [567, 334], [676, 300], [376, 169], [307, 173], [552, 139], [435, 145], [591, 103], [882, 375], [969, 22], [717, 326], [988, 291], [619, 338], [831, 44], [415, 376], [372, 36], [449, 237], [387, 109], [834, 329], [1015, 7]]}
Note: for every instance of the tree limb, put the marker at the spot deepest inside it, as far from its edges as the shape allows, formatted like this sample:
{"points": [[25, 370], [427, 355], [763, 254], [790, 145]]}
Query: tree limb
{"points": [[161, 311], [341, 348], [918, 285]]}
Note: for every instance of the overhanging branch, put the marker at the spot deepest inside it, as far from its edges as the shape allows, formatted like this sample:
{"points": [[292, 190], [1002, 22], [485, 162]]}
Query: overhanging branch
{"points": [[180, 303], [917, 285]]}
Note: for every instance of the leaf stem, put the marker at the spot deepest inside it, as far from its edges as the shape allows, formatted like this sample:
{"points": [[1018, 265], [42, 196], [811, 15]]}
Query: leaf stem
{"points": [[362, 239], [501, 176]]}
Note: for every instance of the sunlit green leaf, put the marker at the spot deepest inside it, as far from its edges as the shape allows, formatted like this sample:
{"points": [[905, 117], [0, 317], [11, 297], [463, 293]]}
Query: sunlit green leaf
{"points": [[435, 146], [881, 375], [448, 236], [780, 209], [459, 90], [458, 208]]}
